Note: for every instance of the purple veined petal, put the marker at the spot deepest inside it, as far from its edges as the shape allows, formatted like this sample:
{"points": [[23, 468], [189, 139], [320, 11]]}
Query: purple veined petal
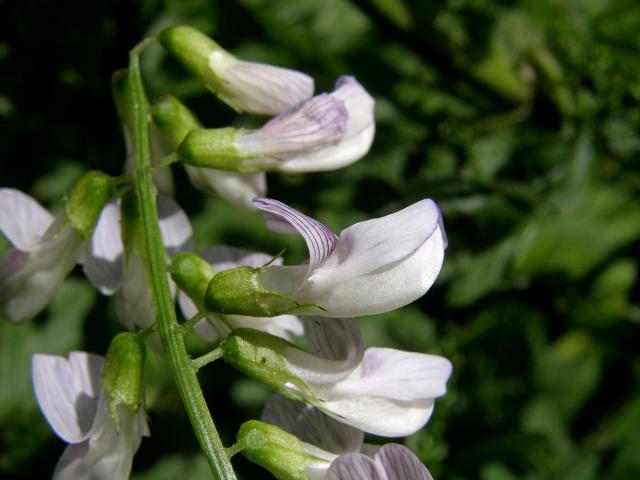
{"points": [[312, 426], [397, 375], [104, 264], [259, 88], [355, 466], [67, 392], [23, 220], [174, 225], [354, 144], [314, 123], [279, 217], [400, 463]]}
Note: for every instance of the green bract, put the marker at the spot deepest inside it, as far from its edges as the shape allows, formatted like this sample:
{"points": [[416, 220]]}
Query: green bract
{"points": [[192, 274]]}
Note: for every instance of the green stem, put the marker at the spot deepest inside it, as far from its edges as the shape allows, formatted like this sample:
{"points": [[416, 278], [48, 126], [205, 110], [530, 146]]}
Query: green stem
{"points": [[207, 358], [155, 263]]}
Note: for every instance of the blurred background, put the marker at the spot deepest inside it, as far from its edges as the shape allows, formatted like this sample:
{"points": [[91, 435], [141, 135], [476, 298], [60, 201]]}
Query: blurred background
{"points": [[521, 118]]}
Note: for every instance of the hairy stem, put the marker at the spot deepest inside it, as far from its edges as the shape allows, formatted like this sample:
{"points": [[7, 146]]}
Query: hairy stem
{"points": [[155, 264]]}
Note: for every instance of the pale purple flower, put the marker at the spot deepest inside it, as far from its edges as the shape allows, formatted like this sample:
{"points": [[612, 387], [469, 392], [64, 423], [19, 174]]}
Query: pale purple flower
{"points": [[382, 391], [374, 266], [326, 132], [45, 250], [337, 449], [71, 398]]}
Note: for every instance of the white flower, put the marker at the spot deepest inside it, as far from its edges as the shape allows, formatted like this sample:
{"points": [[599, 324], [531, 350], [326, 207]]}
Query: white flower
{"points": [[45, 251], [236, 188], [336, 448], [245, 86], [215, 325], [75, 405], [382, 391], [325, 132], [113, 267], [257, 87], [372, 267]]}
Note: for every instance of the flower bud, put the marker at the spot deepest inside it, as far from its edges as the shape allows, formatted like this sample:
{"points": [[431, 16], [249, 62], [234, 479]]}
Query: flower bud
{"points": [[277, 451], [237, 291], [174, 119], [122, 373], [87, 199], [245, 86], [192, 274], [261, 357]]}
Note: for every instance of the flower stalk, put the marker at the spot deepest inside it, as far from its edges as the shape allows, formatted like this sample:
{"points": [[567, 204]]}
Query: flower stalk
{"points": [[155, 264]]}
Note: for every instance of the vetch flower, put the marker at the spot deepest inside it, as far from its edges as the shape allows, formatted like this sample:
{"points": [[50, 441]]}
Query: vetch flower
{"points": [[175, 121], [320, 448], [372, 267], [326, 132], [245, 86], [71, 398], [186, 273], [45, 249], [379, 390]]}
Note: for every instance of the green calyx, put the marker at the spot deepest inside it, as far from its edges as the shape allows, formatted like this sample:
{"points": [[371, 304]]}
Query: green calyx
{"points": [[87, 199], [260, 356], [279, 452], [214, 148], [192, 274], [174, 119], [122, 373], [237, 291], [193, 48]]}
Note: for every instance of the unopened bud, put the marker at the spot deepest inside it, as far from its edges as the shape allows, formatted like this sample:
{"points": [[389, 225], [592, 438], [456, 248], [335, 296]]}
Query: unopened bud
{"points": [[192, 274], [122, 373], [87, 199], [174, 119], [245, 86], [275, 450]]}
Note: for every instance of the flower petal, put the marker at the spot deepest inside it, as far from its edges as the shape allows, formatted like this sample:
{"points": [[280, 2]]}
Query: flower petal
{"points": [[236, 188], [22, 219], [257, 87], [378, 265], [312, 426], [222, 257], [174, 225], [67, 391], [398, 375], [355, 143], [314, 123], [400, 463], [355, 466], [391, 392], [30, 280], [279, 217], [104, 264], [379, 242]]}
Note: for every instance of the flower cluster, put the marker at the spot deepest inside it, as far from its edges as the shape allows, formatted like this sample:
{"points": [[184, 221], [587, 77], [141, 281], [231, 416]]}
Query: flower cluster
{"points": [[290, 327]]}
